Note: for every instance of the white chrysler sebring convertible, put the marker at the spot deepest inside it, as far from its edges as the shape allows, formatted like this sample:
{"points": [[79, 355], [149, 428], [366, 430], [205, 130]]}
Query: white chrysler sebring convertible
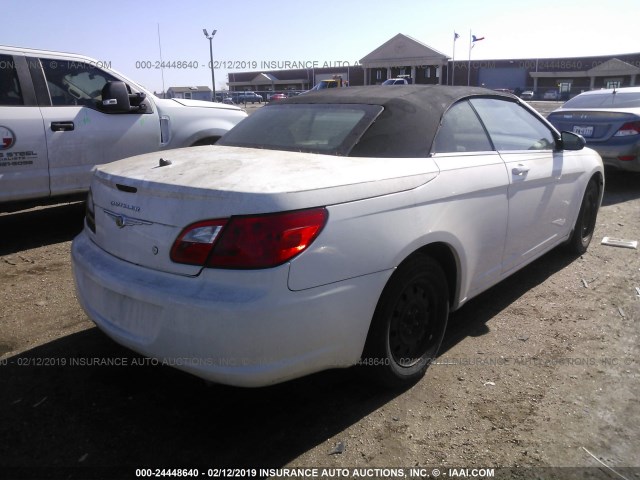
{"points": [[327, 230]]}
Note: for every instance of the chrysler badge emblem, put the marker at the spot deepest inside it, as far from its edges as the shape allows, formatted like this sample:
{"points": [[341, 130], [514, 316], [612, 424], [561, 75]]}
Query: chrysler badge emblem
{"points": [[124, 221]]}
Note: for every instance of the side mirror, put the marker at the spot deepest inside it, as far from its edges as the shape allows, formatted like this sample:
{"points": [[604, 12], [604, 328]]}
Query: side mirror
{"points": [[572, 141], [136, 100], [117, 99]]}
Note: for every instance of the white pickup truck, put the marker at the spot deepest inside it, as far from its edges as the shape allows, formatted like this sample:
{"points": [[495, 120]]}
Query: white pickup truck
{"points": [[61, 114]]}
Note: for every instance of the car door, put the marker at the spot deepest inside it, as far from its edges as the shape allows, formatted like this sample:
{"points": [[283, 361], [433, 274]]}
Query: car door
{"points": [[540, 192], [79, 135], [24, 169], [476, 184]]}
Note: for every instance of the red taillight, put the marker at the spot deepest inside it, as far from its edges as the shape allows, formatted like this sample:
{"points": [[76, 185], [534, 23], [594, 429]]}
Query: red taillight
{"points": [[195, 242], [260, 241], [630, 128]]}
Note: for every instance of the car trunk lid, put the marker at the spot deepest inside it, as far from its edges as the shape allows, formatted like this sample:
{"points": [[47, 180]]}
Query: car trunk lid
{"points": [[141, 204], [593, 125]]}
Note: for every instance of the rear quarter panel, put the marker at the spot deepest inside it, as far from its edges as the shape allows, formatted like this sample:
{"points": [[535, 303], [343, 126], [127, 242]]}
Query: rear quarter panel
{"points": [[465, 208]]}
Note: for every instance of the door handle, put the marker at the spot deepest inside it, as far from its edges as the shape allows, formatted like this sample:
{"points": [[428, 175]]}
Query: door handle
{"points": [[62, 126], [520, 170]]}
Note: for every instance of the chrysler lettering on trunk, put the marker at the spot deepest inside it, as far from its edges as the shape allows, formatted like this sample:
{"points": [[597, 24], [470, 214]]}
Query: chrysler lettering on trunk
{"points": [[135, 208]]}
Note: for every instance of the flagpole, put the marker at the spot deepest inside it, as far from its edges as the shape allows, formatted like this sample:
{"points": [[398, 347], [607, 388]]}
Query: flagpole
{"points": [[161, 62], [469, 66], [453, 60]]}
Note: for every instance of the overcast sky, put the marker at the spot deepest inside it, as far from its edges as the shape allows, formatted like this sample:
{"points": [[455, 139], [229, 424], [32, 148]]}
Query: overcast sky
{"points": [[252, 33]]}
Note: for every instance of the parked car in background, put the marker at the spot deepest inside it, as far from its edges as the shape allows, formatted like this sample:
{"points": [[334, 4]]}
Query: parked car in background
{"points": [[331, 229], [609, 120], [551, 95], [527, 95], [397, 81], [224, 97], [247, 97], [336, 82], [61, 114], [277, 96]]}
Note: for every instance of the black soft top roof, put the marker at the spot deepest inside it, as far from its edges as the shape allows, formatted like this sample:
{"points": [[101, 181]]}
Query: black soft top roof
{"points": [[411, 117]]}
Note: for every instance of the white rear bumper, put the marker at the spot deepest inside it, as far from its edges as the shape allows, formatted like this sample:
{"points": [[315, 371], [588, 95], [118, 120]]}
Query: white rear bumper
{"points": [[243, 328]]}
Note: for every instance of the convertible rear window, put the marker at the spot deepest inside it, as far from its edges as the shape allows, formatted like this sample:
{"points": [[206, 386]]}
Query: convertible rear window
{"points": [[331, 129], [605, 100]]}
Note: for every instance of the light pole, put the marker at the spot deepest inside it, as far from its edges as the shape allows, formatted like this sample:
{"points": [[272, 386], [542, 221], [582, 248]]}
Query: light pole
{"points": [[213, 76]]}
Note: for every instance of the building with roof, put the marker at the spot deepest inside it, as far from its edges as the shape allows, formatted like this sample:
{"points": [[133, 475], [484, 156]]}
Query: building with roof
{"points": [[190, 93], [406, 56], [571, 75], [292, 80], [566, 76], [403, 55]]}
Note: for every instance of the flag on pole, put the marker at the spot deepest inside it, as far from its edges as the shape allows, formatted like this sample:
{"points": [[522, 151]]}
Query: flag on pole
{"points": [[453, 59], [472, 43]]}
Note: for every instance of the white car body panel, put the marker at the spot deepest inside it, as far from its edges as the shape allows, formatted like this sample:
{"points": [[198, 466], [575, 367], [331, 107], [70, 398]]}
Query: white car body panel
{"points": [[194, 120], [24, 169], [225, 181], [541, 194], [96, 139], [168, 317], [413, 219]]}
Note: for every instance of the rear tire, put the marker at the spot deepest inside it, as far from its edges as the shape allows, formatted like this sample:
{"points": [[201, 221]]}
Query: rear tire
{"points": [[586, 221], [408, 324]]}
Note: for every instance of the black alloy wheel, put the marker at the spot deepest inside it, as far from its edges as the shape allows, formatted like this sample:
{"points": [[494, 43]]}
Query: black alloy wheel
{"points": [[409, 323], [586, 222]]}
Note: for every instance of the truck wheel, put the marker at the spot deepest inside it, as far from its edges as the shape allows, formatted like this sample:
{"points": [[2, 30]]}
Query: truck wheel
{"points": [[408, 324]]}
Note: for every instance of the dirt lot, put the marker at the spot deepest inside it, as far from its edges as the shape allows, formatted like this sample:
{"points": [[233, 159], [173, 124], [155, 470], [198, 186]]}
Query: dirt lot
{"points": [[543, 370]]}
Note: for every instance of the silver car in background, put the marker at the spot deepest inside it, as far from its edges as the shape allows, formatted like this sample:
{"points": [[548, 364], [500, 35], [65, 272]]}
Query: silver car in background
{"points": [[609, 120]]}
